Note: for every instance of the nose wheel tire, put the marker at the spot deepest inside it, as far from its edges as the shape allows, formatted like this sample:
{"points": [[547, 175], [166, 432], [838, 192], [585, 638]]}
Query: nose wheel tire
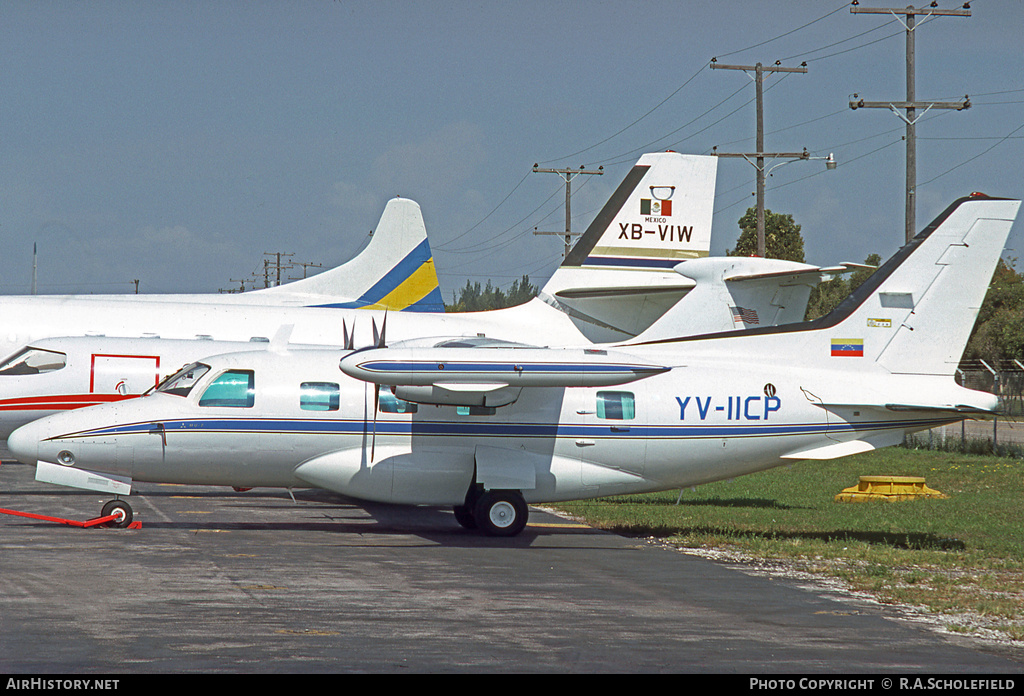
{"points": [[501, 513], [121, 510]]}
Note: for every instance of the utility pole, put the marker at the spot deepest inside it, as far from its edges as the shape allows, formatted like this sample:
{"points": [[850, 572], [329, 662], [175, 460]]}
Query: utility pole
{"points": [[760, 156], [911, 105], [279, 268], [567, 175], [306, 265]]}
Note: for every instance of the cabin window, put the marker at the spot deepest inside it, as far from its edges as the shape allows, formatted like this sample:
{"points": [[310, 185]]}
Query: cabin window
{"points": [[389, 403], [319, 396], [475, 410], [233, 389], [182, 381], [615, 405], [33, 361]]}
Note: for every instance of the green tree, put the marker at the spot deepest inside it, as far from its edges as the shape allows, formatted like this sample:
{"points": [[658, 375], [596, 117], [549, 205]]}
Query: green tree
{"points": [[473, 298], [782, 238], [999, 330], [827, 295]]}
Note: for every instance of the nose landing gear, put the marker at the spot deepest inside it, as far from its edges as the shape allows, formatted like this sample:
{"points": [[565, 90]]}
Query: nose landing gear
{"points": [[115, 513], [120, 511]]}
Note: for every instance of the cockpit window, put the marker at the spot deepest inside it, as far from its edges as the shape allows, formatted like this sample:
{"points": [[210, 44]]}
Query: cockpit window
{"points": [[233, 389], [182, 381], [33, 361]]}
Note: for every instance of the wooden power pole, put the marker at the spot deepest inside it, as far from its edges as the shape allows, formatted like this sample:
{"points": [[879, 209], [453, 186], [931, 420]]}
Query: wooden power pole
{"points": [[911, 105], [566, 174], [758, 158]]}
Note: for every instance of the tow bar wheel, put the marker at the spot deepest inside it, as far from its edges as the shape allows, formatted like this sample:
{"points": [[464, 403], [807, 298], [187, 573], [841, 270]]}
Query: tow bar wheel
{"points": [[121, 510], [501, 513]]}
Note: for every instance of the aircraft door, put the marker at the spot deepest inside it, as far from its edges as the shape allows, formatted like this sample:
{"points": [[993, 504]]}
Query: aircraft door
{"points": [[611, 442]]}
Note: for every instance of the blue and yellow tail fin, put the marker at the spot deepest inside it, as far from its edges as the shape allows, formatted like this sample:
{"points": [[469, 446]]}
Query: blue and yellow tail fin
{"points": [[395, 271]]}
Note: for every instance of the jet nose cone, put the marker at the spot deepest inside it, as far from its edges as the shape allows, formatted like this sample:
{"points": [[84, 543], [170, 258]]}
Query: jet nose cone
{"points": [[24, 443]]}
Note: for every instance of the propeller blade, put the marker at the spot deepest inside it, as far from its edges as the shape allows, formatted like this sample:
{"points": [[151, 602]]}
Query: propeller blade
{"points": [[376, 404]]}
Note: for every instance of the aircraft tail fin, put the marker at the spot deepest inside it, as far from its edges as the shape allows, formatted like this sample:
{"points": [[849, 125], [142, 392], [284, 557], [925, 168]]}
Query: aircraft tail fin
{"points": [[915, 314], [617, 279], [395, 270]]}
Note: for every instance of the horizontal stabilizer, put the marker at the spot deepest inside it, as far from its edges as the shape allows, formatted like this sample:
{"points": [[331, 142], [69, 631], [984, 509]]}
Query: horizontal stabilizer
{"points": [[737, 292], [959, 409], [798, 271], [676, 290]]}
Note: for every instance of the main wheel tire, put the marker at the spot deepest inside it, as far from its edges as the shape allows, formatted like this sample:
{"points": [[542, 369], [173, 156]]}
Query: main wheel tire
{"points": [[501, 513], [120, 508]]}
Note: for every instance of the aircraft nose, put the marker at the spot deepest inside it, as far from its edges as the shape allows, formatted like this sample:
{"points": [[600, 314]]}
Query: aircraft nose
{"points": [[24, 443]]}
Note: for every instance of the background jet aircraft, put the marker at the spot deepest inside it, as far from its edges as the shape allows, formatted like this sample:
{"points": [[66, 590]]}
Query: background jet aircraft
{"points": [[395, 271], [58, 374], [648, 414]]}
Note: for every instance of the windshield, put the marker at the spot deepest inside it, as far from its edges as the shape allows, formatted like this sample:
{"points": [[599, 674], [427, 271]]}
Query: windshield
{"points": [[33, 361], [182, 381]]}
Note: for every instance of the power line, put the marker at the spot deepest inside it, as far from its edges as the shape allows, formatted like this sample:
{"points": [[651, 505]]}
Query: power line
{"points": [[995, 145], [781, 36], [455, 239], [623, 130]]}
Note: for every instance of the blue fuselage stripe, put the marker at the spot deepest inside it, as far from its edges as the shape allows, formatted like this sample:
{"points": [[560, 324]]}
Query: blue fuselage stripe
{"points": [[622, 429]]}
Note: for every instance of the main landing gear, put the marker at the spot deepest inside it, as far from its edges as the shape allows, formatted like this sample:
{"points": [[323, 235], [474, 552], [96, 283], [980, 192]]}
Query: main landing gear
{"points": [[495, 513]]}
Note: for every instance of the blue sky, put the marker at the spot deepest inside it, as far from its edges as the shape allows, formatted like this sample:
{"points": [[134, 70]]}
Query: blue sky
{"points": [[177, 142]]}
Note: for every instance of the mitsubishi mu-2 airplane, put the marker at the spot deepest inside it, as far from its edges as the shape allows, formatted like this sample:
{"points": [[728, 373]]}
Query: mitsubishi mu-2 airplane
{"points": [[488, 426]]}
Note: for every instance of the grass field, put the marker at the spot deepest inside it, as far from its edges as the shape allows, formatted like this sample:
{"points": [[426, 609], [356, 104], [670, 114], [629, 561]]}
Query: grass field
{"points": [[962, 557]]}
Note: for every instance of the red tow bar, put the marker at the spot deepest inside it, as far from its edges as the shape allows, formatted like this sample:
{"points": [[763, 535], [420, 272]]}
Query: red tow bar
{"points": [[94, 522]]}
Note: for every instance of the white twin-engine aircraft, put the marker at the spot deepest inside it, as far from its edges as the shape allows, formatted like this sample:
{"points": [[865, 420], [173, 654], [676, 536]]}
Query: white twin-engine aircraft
{"points": [[488, 426], [646, 249]]}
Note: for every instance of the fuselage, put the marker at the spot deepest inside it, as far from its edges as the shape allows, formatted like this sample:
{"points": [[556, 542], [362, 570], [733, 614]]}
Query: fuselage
{"points": [[295, 420], [29, 318], [108, 349]]}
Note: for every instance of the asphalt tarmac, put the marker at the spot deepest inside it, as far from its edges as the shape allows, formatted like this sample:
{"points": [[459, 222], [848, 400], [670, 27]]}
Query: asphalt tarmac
{"points": [[218, 581]]}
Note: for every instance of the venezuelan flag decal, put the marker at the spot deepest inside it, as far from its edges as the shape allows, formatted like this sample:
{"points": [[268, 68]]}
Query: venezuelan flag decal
{"points": [[848, 347]]}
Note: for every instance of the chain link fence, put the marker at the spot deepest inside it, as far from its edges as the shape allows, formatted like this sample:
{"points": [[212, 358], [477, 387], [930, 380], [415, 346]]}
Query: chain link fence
{"points": [[1002, 434]]}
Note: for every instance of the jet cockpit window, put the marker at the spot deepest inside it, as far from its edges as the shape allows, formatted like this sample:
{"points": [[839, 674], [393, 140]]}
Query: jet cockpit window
{"points": [[182, 381], [615, 405], [233, 389], [319, 396], [33, 361]]}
